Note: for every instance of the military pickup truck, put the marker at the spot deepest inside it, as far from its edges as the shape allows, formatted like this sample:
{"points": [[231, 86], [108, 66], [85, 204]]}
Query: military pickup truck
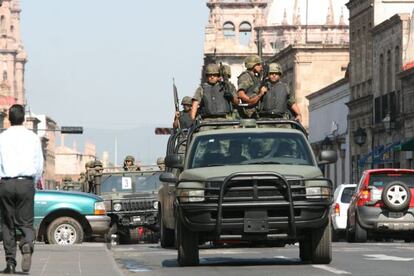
{"points": [[248, 181]]}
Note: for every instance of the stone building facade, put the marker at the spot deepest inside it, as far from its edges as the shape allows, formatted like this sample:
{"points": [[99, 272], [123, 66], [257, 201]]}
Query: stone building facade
{"points": [[12, 56], [365, 15], [235, 27]]}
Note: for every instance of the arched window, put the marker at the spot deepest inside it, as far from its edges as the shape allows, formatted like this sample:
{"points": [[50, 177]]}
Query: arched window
{"points": [[245, 30], [12, 29], [229, 30]]}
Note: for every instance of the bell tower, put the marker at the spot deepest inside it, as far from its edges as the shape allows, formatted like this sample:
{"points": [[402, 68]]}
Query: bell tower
{"points": [[230, 34], [12, 55]]}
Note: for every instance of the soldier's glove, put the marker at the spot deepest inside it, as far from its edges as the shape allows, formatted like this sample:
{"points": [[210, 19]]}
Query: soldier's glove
{"points": [[228, 95]]}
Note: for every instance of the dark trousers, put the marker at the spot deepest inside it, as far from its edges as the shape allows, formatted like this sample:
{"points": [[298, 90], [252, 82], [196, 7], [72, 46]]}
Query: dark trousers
{"points": [[17, 212]]}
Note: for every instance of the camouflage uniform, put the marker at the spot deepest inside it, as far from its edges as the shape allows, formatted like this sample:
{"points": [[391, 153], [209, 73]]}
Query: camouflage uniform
{"points": [[185, 117], [278, 99], [216, 98], [249, 81]]}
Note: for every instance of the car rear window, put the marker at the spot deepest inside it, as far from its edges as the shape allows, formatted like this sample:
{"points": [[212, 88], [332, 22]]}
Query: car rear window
{"points": [[347, 194], [380, 180]]}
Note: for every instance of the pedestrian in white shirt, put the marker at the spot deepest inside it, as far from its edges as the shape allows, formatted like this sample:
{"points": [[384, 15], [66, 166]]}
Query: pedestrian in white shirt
{"points": [[21, 166]]}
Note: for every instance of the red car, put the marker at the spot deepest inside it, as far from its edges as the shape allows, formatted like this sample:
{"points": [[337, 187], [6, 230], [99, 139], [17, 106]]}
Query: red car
{"points": [[382, 206]]}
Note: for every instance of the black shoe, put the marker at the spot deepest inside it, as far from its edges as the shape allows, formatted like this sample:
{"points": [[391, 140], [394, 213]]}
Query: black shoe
{"points": [[10, 269], [26, 257]]}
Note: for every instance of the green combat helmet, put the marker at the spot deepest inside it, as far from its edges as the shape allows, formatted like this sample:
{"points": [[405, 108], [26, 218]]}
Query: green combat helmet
{"points": [[131, 166], [212, 69], [275, 68], [227, 70], [251, 61], [161, 163], [187, 100]]}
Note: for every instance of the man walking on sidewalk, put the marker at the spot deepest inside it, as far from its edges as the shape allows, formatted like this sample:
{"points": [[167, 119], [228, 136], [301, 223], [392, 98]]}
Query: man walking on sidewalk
{"points": [[21, 166]]}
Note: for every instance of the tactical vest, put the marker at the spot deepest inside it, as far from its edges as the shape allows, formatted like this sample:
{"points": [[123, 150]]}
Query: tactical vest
{"points": [[214, 103], [185, 120], [275, 100], [255, 80]]}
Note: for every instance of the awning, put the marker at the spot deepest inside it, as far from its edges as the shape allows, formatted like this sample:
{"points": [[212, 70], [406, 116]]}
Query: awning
{"points": [[408, 145]]}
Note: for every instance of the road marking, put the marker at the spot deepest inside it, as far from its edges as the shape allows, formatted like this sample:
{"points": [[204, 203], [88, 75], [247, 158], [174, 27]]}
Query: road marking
{"points": [[381, 257], [331, 269]]}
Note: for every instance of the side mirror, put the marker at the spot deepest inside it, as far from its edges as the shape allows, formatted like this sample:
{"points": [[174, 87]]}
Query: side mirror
{"points": [[168, 177], [174, 161], [327, 156]]}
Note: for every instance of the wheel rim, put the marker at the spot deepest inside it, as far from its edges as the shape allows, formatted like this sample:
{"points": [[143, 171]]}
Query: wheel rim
{"points": [[65, 234], [397, 195]]}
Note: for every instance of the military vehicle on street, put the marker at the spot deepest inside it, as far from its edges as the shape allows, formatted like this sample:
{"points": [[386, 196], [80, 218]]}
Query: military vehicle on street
{"points": [[130, 199], [249, 181]]}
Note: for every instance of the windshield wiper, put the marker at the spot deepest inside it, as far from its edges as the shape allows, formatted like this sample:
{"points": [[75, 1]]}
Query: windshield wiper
{"points": [[262, 162]]}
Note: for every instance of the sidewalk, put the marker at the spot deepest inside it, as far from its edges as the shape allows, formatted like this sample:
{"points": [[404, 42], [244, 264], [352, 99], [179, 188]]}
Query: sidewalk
{"points": [[87, 259]]}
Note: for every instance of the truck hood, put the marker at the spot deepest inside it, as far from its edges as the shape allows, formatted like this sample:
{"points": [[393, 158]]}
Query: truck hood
{"points": [[58, 195], [220, 172]]}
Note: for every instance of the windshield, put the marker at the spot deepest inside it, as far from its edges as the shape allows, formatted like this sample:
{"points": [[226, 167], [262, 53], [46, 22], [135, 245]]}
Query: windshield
{"points": [[130, 183], [249, 148], [379, 180]]}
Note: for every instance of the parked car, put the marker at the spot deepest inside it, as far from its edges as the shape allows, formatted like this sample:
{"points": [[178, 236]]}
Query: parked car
{"points": [[342, 198], [69, 217], [382, 206]]}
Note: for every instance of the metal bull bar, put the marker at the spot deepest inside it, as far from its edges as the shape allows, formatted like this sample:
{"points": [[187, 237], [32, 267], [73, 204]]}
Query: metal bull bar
{"points": [[254, 176]]}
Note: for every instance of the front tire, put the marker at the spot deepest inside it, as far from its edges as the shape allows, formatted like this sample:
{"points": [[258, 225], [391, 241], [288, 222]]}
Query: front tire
{"points": [[167, 236], [321, 245], [65, 231], [187, 245]]}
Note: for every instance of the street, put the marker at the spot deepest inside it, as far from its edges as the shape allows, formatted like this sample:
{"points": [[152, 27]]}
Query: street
{"points": [[348, 259]]}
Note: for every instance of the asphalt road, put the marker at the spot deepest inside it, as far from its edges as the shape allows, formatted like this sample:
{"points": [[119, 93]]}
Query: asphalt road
{"points": [[348, 259]]}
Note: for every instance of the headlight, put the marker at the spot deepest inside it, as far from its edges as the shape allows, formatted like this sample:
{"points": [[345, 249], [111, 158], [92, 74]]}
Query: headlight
{"points": [[100, 208], [117, 207], [317, 192], [187, 195], [155, 205]]}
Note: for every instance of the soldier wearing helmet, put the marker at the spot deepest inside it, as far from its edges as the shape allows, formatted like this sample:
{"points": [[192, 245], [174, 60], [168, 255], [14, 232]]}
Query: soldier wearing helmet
{"points": [[249, 90], [129, 164], [211, 98], [278, 100], [161, 163], [182, 118]]}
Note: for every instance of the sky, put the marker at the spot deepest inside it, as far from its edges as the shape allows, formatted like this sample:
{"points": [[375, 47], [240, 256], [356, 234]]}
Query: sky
{"points": [[108, 66]]}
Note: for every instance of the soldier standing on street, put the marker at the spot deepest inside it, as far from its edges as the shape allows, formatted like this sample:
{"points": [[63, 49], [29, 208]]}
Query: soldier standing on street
{"points": [[278, 100], [214, 100], [183, 119], [250, 90]]}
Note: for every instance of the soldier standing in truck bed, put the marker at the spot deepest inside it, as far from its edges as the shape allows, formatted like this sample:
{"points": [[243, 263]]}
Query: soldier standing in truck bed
{"points": [[211, 100], [182, 118], [278, 100]]}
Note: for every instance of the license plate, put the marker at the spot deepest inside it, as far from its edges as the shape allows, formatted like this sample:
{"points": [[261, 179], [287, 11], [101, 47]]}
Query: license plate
{"points": [[395, 214], [256, 222]]}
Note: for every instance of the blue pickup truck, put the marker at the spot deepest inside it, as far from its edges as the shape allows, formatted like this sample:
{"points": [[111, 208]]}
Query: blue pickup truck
{"points": [[69, 217]]}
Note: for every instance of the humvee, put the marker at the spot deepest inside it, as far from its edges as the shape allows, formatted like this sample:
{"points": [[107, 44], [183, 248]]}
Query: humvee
{"points": [[248, 181]]}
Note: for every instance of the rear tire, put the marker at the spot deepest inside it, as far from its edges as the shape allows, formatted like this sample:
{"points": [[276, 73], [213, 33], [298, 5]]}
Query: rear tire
{"points": [[350, 236], [360, 233], [322, 245], [167, 236], [187, 243]]}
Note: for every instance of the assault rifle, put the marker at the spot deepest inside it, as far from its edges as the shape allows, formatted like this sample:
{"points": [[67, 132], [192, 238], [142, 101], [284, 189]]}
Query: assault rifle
{"points": [[176, 102]]}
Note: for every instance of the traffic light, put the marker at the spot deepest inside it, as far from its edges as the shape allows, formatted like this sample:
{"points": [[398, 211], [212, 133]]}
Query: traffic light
{"points": [[163, 130], [71, 130]]}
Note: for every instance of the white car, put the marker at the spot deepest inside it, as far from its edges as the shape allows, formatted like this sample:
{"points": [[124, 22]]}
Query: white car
{"points": [[342, 198]]}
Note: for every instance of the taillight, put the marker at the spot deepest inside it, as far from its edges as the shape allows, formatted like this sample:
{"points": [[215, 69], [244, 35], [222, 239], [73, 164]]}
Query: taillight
{"points": [[337, 210], [363, 197]]}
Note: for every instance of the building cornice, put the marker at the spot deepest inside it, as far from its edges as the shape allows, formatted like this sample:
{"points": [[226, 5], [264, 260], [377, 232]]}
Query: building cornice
{"points": [[387, 24], [355, 103]]}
